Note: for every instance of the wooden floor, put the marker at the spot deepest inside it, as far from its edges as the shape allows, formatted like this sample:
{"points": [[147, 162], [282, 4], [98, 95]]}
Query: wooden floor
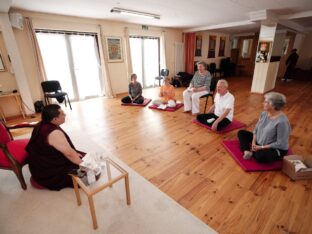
{"points": [[188, 163]]}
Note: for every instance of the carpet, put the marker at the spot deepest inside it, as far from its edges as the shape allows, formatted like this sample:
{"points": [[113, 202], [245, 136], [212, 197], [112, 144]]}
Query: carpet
{"points": [[146, 101], [232, 126], [43, 211], [170, 109], [232, 146]]}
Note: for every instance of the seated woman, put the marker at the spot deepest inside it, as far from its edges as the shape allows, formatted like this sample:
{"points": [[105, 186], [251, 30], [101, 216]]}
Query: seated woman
{"points": [[135, 92], [167, 94], [269, 140], [220, 114], [51, 153]]}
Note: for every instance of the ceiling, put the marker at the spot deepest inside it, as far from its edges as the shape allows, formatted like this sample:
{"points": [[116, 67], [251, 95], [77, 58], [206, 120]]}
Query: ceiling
{"points": [[184, 14]]}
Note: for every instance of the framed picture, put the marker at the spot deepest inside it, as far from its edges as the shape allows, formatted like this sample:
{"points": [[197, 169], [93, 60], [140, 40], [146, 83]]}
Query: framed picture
{"points": [[2, 67], [264, 51], [114, 49]]}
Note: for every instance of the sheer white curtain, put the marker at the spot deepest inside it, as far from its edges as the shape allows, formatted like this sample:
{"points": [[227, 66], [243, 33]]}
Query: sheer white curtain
{"points": [[104, 68], [37, 54], [163, 62], [128, 53]]}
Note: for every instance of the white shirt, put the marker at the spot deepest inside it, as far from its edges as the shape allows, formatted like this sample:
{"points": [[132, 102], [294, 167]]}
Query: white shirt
{"points": [[224, 102]]}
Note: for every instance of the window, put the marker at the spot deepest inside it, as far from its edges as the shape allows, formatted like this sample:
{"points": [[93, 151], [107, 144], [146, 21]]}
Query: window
{"points": [[246, 48], [72, 58], [145, 58], [212, 46], [222, 46]]}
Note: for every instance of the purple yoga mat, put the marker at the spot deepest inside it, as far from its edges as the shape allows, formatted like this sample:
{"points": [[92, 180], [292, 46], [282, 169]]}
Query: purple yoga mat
{"points": [[232, 126], [146, 101], [232, 146], [171, 109]]}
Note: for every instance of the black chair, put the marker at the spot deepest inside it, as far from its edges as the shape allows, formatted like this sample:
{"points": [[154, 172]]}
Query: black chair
{"points": [[213, 68], [52, 89], [163, 74], [213, 85]]}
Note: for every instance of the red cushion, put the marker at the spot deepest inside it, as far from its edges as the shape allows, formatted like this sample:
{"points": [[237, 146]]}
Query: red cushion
{"points": [[17, 150], [4, 135]]}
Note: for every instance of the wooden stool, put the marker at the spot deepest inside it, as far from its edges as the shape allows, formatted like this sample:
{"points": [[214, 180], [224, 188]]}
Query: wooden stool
{"points": [[101, 184]]}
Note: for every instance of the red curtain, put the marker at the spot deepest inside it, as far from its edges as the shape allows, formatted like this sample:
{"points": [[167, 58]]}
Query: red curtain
{"points": [[189, 43]]}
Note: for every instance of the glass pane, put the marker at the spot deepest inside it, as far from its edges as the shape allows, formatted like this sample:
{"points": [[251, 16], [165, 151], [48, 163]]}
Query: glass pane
{"points": [[55, 58], [246, 48], [86, 65], [136, 57], [151, 61]]}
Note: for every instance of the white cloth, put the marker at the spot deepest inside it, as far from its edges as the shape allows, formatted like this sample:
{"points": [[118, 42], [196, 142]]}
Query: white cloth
{"points": [[191, 100], [224, 102]]}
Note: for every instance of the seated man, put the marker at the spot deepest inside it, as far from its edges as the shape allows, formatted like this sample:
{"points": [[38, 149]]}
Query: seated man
{"points": [[199, 86], [220, 114], [167, 94], [51, 153]]}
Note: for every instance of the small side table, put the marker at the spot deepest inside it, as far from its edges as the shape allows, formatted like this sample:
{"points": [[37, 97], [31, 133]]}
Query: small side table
{"points": [[106, 180]]}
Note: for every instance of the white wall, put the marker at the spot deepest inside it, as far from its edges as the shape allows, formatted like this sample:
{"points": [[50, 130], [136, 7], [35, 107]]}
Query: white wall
{"points": [[304, 51]]}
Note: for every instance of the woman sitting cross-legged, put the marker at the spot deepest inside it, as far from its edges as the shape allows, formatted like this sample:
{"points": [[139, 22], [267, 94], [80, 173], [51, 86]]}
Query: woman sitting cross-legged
{"points": [[220, 114], [269, 140], [166, 94], [135, 92]]}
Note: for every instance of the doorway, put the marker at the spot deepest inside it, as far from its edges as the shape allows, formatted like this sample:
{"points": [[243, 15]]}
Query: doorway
{"points": [[145, 59], [72, 58]]}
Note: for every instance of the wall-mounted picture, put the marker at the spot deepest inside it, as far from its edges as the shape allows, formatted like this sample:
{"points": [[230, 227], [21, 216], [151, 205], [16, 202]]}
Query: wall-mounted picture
{"points": [[263, 52], [114, 49], [2, 67], [198, 45]]}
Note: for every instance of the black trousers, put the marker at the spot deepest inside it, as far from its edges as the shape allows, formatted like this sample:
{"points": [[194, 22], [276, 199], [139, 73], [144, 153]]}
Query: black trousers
{"points": [[202, 118], [263, 155], [127, 99]]}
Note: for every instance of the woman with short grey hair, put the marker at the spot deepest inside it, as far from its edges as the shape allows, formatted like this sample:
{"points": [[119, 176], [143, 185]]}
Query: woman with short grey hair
{"points": [[269, 140]]}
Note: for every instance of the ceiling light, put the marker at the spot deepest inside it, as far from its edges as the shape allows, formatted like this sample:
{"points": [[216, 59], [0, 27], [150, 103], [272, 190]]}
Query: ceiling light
{"points": [[134, 13]]}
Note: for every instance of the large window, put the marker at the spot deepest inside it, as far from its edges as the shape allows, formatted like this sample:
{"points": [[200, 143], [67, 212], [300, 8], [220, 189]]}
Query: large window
{"points": [[73, 60], [246, 48], [145, 58]]}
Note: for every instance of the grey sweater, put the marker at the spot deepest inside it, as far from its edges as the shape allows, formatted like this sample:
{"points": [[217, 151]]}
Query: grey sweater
{"points": [[273, 132], [135, 89]]}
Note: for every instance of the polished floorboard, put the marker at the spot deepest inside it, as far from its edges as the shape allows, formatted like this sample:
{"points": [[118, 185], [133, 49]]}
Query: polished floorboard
{"points": [[188, 163]]}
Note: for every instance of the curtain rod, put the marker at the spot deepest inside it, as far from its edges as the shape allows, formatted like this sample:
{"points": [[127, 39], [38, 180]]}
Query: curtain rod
{"points": [[65, 32]]}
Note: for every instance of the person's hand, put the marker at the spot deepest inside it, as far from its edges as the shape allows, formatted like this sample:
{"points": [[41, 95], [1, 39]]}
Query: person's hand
{"points": [[214, 126], [161, 94], [194, 90], [255, 147]]}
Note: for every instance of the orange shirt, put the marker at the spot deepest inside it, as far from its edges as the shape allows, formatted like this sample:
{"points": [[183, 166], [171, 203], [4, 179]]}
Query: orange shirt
{"points": [[167, 92]]}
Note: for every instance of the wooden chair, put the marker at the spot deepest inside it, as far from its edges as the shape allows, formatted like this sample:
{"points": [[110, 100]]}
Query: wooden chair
{"points": [[13, 155]]}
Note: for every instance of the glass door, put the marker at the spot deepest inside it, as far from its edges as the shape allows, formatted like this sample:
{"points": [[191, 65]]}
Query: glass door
{"points": [[73, 60], [145, 59]]}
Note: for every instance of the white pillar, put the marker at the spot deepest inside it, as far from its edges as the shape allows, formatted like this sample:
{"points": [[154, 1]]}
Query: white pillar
{"points": [[265, 73], [16, 60]]}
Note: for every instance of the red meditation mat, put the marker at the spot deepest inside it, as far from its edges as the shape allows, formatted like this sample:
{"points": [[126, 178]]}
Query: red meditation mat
{"points": [[232, 126], [171, 109], [232, 146], [146, 101]]}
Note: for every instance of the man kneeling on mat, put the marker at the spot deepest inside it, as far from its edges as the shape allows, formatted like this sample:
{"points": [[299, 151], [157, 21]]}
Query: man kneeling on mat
{"points": [[220, 114]]}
